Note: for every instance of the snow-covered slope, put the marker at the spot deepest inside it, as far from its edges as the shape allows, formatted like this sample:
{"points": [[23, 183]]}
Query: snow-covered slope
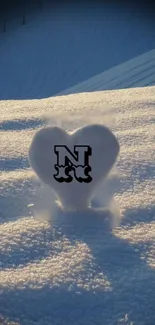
{"points": [[80, 273], [63, 46], [137, 72]]}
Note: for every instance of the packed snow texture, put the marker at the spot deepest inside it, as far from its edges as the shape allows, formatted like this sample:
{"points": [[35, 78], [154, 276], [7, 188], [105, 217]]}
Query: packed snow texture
{"points": [[78, 272], [103, 147]]}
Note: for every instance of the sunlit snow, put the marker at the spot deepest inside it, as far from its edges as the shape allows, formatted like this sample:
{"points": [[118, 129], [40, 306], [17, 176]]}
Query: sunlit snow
{"points": [[78, 271]]}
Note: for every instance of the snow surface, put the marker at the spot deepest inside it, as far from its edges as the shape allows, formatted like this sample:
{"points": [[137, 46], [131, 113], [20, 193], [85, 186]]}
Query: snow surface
{"points": [[78, 270], [137, 72], [62, 47]]}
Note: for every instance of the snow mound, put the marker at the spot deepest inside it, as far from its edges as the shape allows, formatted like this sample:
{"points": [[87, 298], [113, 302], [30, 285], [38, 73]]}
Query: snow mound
{"points": [[73, 270]]}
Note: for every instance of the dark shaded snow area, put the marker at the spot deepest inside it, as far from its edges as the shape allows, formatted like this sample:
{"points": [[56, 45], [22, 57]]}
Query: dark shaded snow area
{"points": [[61, 46]]}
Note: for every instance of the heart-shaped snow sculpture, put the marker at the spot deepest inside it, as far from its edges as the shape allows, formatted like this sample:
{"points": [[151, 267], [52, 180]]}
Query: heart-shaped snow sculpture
{"points": [[97, 149]]}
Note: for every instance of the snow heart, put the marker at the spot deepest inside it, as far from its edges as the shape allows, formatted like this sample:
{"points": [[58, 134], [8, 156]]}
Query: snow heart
{"points": [[73, 163]]}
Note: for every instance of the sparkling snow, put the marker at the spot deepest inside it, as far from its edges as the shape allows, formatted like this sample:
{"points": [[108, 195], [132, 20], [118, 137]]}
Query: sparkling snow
{"points": [[78, 271], [80, 274]]}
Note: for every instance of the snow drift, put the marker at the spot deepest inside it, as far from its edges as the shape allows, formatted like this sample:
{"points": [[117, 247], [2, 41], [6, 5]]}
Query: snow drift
{"points": [[78, 272]]}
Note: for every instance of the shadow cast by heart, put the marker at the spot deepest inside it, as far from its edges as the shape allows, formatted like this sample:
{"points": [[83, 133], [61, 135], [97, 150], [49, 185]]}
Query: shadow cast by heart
{"points": [[132, 281]]}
